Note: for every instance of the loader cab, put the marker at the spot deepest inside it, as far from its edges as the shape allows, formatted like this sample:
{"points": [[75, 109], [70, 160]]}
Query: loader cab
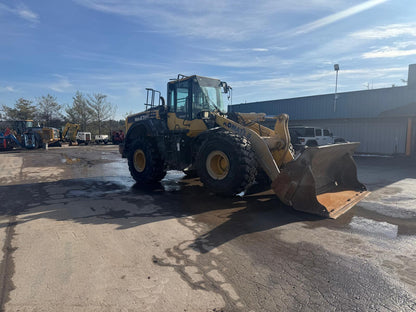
{"points": [[21, 126], [190, 97]]}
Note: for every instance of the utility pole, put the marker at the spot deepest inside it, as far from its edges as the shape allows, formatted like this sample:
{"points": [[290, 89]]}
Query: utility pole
{"points": [[336, 68]]}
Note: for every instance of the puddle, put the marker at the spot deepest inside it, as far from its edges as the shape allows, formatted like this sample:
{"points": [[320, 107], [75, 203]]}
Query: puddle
{"points": [[398, 200], [406, 226], [69, 160], [373, 228], [97, 189], [171, 181]]}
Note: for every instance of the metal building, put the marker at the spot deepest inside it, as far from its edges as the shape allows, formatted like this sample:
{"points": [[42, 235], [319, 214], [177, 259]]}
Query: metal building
{"points": [[383, 120]]}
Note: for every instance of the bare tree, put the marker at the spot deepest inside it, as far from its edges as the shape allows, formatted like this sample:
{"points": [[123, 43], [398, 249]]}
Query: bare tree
{"points": [[49, 111], [102, 110], [79, 113], [23, 110]]}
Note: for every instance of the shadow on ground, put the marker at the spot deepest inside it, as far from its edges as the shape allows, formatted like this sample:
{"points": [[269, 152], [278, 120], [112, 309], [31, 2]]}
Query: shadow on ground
{"points": [[111, 201]]}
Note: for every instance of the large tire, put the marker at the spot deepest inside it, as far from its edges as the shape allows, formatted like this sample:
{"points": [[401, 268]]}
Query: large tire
{"points": [[225, 163], [145, 162]]}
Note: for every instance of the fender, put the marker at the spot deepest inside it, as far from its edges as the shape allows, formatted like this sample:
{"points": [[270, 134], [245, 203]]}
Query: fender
{"points": [[142, 128]]}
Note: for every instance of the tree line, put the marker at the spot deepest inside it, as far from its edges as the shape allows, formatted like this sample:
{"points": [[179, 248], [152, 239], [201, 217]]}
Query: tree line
{"points": [[94, 113]]}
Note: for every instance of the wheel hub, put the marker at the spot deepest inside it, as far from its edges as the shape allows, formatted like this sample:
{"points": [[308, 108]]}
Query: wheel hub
{"points": [[139, 160], [218, 165]]}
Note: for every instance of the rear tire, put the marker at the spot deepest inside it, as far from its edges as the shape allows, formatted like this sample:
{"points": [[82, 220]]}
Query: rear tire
{"points": [[145, 162], [226, 163]]}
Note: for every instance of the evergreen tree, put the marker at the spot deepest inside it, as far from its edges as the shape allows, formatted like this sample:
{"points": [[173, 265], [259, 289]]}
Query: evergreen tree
{"points": [[23, 110], [49, 111]]}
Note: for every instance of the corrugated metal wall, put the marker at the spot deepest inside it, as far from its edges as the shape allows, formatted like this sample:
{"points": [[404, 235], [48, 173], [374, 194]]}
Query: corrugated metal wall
{"points": [[357, 104], [377, 136]]}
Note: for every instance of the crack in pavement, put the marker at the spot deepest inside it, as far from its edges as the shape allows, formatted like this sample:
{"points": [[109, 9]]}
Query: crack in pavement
{"points": [[7, 268]]}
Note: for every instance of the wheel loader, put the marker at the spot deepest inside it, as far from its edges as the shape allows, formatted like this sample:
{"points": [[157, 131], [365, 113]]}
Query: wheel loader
{"points": [[192, 131]]}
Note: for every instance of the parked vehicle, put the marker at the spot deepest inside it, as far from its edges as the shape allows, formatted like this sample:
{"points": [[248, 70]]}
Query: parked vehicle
{"points": [[84, 137], [99, 139], [302, 136], [117, 137]]}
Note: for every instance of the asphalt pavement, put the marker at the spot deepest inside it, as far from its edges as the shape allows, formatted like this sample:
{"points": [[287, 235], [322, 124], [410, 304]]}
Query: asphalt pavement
{"points": [[78, 234]]}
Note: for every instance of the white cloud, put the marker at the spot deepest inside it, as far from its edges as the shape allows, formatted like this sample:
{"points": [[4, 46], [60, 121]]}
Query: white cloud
{"points": [[21, 11], [388, 52], [307, 28], [318, 82], [231, 20], [387, 31], [7, 89], [61, 85], [27, 14], [260, 50]]}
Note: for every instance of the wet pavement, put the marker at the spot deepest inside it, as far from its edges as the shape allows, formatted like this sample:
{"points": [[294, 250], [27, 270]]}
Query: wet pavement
{"points": [[78, 234]]}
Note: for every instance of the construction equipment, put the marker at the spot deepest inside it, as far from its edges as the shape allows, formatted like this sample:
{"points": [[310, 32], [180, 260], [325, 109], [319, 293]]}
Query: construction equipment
{"points": [[49, 136], [69, 133], [8, 140], [22, 133], [194, 132], [19, 133]]}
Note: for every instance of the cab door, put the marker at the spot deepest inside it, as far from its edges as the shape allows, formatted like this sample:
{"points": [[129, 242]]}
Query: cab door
{"points": [[180, 100]]}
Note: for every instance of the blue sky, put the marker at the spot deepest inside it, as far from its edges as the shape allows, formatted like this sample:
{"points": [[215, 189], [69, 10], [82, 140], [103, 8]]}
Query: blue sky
{"points": [[265, 50]]}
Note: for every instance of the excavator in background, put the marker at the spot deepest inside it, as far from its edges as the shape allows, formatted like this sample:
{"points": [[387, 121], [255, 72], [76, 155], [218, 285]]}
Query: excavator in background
{"points": [[228, 151], [69, 133]]}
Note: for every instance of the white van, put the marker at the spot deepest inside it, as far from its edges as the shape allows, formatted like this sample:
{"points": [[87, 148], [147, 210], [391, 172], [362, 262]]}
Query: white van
{"points": [[84, 137]]}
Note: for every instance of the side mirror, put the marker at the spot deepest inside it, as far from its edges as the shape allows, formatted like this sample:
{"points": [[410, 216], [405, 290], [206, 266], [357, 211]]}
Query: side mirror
{"points": [[226, 88]]}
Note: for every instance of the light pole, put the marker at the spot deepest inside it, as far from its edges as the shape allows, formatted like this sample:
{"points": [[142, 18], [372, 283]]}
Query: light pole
{"points": [[336, 68]]}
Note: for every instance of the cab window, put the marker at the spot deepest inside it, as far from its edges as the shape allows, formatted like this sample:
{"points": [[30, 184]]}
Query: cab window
{"points": [[318, 132], [326, 132], [182, 99]]}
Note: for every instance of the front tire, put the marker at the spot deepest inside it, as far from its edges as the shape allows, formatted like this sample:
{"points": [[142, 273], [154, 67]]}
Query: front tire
{"points": [[226, 163], [145, 162]]}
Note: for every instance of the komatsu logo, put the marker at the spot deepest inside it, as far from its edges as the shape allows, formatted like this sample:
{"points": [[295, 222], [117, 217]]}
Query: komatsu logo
{"points": [[142, 117], [234, 128]]}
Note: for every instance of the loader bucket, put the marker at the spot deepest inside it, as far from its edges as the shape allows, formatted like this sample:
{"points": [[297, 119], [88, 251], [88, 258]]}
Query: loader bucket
{"points": [[322, 180]]}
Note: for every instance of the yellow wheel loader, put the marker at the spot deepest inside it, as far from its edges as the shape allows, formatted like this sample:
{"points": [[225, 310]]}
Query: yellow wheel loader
{"points": [[192, 131]]}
